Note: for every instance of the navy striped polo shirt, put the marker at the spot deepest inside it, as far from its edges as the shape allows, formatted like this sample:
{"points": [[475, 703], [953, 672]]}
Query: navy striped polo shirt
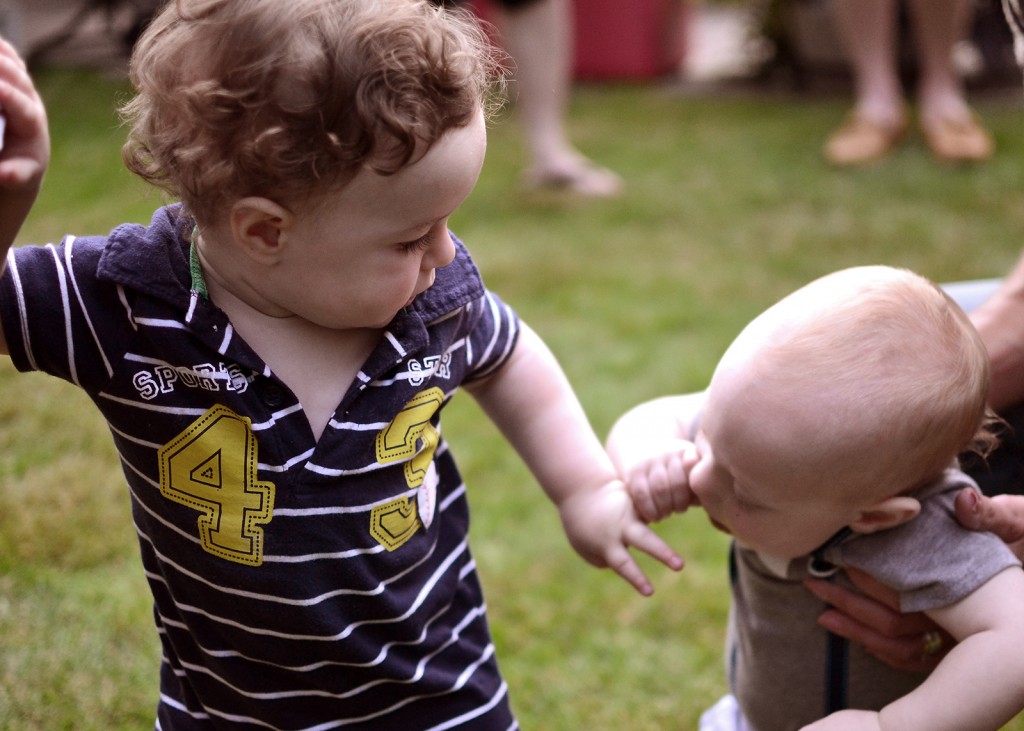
{"points": [[297, 584]]}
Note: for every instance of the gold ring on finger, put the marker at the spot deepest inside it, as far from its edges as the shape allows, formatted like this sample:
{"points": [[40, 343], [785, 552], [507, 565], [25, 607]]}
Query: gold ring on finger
{"points": [[931, 644]]}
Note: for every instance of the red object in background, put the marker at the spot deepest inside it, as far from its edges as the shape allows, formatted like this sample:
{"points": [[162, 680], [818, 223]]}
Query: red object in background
{"points": [[629, 39], [623, 39]]}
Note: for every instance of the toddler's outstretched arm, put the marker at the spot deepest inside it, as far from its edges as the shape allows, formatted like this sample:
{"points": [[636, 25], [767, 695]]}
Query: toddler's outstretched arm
{"points": [[531, 401], [25, 153]]}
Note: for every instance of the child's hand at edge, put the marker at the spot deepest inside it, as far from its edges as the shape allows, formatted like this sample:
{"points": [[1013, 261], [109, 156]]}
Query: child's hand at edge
{"points": [[660, 485], [603, 525], [26, 143]]}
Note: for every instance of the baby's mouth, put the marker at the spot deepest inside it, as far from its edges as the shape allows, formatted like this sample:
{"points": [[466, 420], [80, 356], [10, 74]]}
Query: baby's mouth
{"points": [[719, 526]]}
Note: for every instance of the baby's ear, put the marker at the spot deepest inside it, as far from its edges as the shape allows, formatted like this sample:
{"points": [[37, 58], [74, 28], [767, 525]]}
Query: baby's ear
{"points": [[257, 224], [888, 513]]}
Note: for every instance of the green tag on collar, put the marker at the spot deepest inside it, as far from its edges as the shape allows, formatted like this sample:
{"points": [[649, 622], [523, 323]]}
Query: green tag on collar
{"points": [[195, 267]]}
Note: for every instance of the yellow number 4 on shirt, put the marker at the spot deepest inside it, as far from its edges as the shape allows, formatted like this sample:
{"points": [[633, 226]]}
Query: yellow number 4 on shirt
{"points": [[212, 467]]}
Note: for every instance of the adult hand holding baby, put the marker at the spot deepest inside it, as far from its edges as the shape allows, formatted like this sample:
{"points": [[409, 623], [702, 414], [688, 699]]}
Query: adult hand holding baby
{"points": [[872, 619]]}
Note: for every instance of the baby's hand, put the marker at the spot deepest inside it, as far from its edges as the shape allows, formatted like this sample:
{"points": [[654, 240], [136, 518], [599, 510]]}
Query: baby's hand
{"points": [[847, 721], [26, 142], [602, 526], [660, 485]]}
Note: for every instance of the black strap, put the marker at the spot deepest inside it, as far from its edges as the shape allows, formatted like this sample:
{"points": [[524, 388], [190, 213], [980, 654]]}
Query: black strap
{"points": [[837, 649], [836, 667]]}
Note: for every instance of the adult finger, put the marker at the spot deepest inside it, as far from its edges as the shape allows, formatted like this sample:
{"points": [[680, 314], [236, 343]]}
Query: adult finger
{"points": [[899, 640], [1000, 514]]}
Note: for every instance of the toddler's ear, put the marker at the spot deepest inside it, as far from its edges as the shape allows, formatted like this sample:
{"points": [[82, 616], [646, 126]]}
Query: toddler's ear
{"points": [[888, 513], [257, 225]]}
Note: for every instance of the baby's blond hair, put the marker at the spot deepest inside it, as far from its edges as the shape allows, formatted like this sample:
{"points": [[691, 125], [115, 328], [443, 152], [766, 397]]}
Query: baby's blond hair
{"points": [[283, 98], [897, 374]]}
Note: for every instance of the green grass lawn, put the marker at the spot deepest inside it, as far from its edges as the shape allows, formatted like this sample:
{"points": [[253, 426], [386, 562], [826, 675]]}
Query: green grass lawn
{"points": [[728, 208]]}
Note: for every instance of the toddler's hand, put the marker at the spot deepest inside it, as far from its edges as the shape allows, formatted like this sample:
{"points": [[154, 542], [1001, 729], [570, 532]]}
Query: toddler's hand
{"points": [[847, 721], [660, 486], [26, 142], [602, 526]]}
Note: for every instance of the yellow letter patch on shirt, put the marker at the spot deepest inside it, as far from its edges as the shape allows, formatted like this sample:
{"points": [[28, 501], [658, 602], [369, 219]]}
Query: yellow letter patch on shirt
{"points": [[410, 437]]}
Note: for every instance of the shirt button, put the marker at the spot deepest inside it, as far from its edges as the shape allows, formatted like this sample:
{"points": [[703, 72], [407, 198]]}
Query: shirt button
{"points": [[272, 395]]}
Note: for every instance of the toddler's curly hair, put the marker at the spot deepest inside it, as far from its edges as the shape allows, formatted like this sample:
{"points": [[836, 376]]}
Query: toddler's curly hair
{"points": [[285, 98]]}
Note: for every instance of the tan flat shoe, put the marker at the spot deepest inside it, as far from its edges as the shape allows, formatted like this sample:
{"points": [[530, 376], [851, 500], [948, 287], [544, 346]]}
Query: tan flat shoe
{"points": [[958, 140], [860, 140], [584, 178]]}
